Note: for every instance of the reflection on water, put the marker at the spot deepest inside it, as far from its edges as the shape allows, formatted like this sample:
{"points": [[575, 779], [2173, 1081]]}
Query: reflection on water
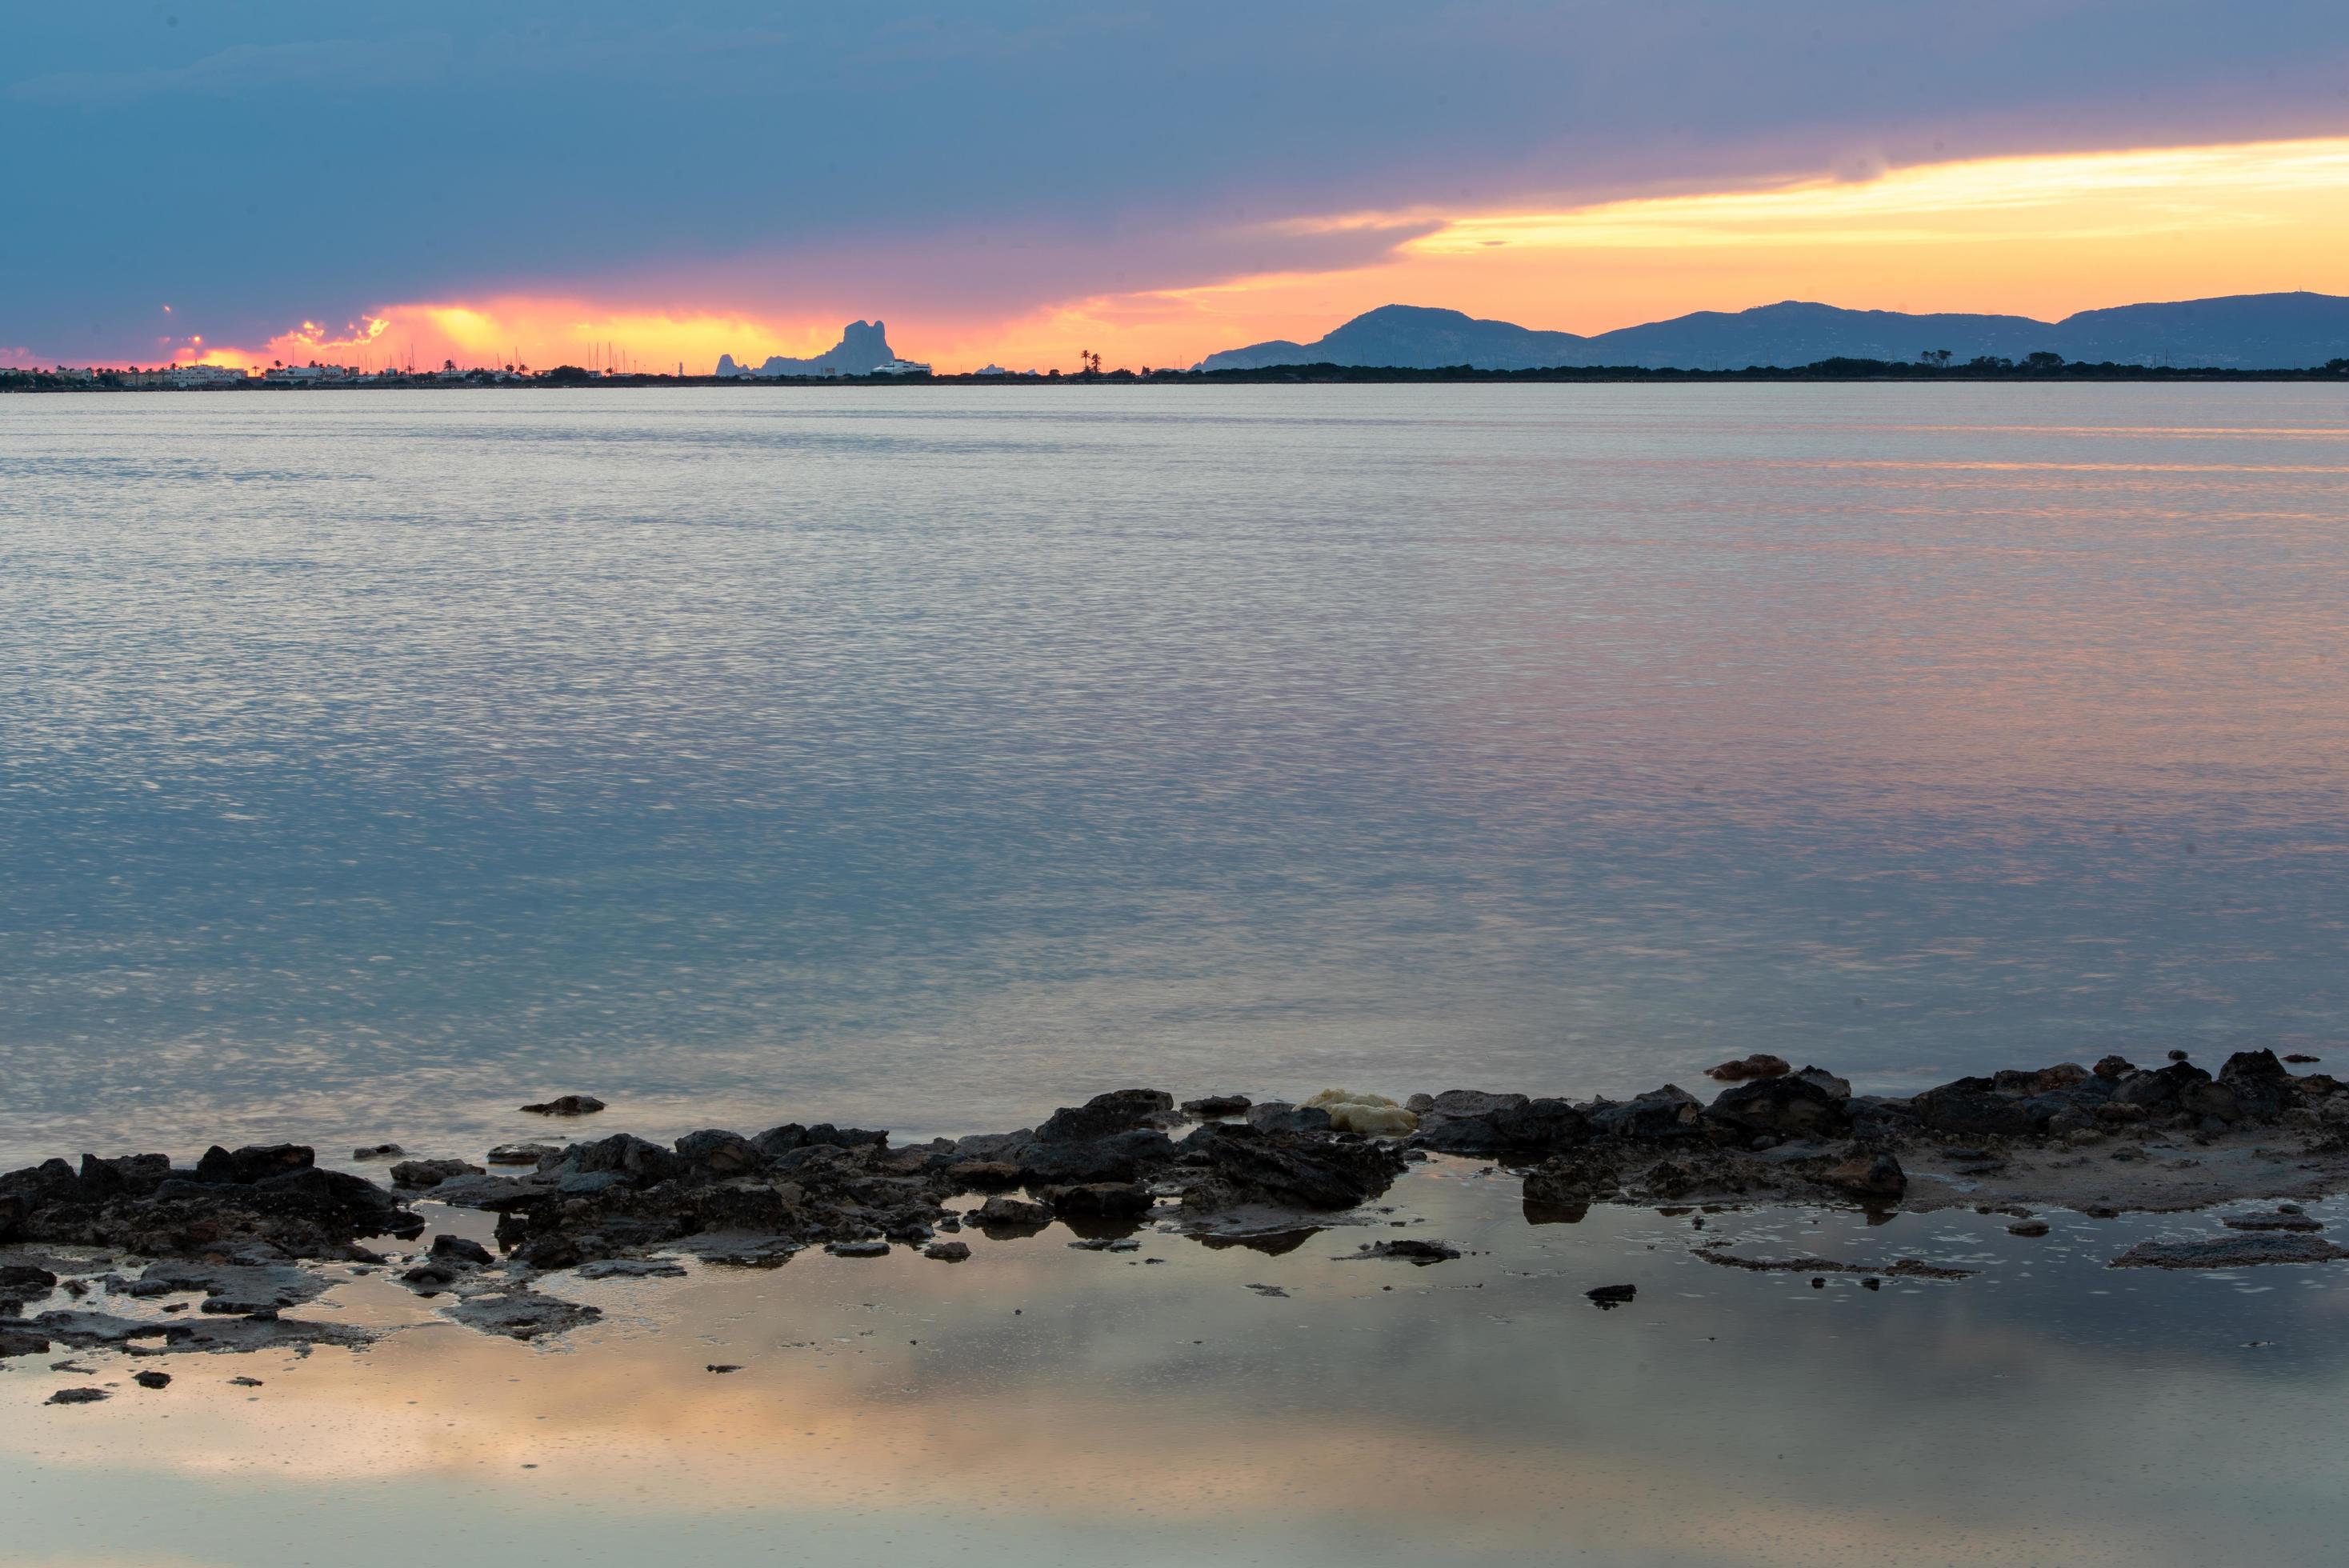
{"points": [[372, 763], [1045, 1405]]}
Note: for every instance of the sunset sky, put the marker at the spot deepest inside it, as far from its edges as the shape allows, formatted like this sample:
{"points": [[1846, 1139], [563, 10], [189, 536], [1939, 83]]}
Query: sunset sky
{"points": [[1017, 181]]}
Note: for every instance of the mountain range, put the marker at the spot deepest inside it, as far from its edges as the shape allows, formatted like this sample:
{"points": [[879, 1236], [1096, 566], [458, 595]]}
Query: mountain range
{"points": [[863, 347], [2248, 332]]}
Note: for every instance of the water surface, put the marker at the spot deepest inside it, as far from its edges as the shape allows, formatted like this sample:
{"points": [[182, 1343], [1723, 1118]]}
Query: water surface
{"points": [[922, 757]]}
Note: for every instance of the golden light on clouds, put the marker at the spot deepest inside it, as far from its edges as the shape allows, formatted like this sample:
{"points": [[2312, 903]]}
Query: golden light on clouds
{"points": [[2039, 235]]}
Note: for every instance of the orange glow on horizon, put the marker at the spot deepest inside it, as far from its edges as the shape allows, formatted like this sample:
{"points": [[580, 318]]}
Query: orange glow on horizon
{"points": [[2041, 235]]}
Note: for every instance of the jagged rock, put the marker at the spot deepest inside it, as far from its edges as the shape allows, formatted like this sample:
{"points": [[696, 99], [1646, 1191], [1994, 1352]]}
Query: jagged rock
{"points": [[1097, 1200], [2259, 1084], [1566, 1182], [2158, 1088], [1472, 1122], [1236, 1163], [1119, 1110], [1877, 1176], [1207, 1106], [2299, 1222], [1826, 1082], [254, 1162], [1279, 1116], [520, 1314], [640, 1161], [566, 1104], [720, 1153], [2113, 1069], [1971, 1107], [22, 1282], [1113, 1156], [1667, 1112], [259, 1285], [1790, 1106], [983, 1173], [1411, 1251], [2228, 1253], [1759, 1065], [421, 1173], [457, 1250], [1002, 1213]]}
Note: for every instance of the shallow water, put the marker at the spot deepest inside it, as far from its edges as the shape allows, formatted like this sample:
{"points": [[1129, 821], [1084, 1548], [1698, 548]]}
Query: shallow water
{"points": [[928, 758], [1039, 1405]]}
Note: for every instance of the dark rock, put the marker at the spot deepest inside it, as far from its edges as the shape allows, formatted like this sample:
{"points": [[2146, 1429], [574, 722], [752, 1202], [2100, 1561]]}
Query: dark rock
{"points": [[2158, 1087], [2027, 1228], [2228, 1253], [566, 1104], [254, 1162], [622, 1154], [520, 1313], [1234, 1164], [947, 1252], [1568, 1182], [1113, 1156], [1877, 1177], [21, 1283], [1120, 1110], [1208, 1107], [1003, 1212], [1097, 1200], [1820, 1078], [16, 1341], [867, 1249], [77, 1397], [1790, 1106], [152, 1379], [2300, 1223], [1607, 1297], [2302, 1057], [2260, 1085], [1667, 1112], [1971, 1107], [1757, 1066], [1417, 1252], [632, 1268], [521, 1153], [1279, 1116], [1469, 1122], [2114, 1068], [983, 1174], [422, 1173], [378, 1151], [720, 1153], [457, 1250]]}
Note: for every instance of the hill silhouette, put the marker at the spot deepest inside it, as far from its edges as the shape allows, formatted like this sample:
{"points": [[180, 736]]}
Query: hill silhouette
{"points": [[2261, 332]]}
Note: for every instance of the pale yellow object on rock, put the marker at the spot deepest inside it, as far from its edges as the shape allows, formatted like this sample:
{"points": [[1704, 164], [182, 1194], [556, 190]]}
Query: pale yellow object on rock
{"points": [[1371, 1115]]}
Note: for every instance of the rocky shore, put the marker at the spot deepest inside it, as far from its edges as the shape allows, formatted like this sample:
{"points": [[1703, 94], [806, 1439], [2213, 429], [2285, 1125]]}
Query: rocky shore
{"points": [[251, 1231]]}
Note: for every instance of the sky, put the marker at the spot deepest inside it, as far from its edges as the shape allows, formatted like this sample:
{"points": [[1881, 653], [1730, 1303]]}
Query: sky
{"points": [[1017, 182]]}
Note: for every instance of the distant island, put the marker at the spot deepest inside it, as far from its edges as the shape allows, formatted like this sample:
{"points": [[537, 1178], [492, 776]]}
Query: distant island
{"points": [[2242, 332], [2270, 337], [863, 350]]}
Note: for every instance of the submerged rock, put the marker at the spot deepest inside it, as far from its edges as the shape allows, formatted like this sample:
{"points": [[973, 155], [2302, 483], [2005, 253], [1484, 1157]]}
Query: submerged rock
{"points": [[2229, 1253], [1409, 1250], [520, 1314], [566, 1104]]}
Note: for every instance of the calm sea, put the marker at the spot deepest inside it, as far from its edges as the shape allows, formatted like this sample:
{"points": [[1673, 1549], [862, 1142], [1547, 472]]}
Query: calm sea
{"points": [[927, 757]]}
